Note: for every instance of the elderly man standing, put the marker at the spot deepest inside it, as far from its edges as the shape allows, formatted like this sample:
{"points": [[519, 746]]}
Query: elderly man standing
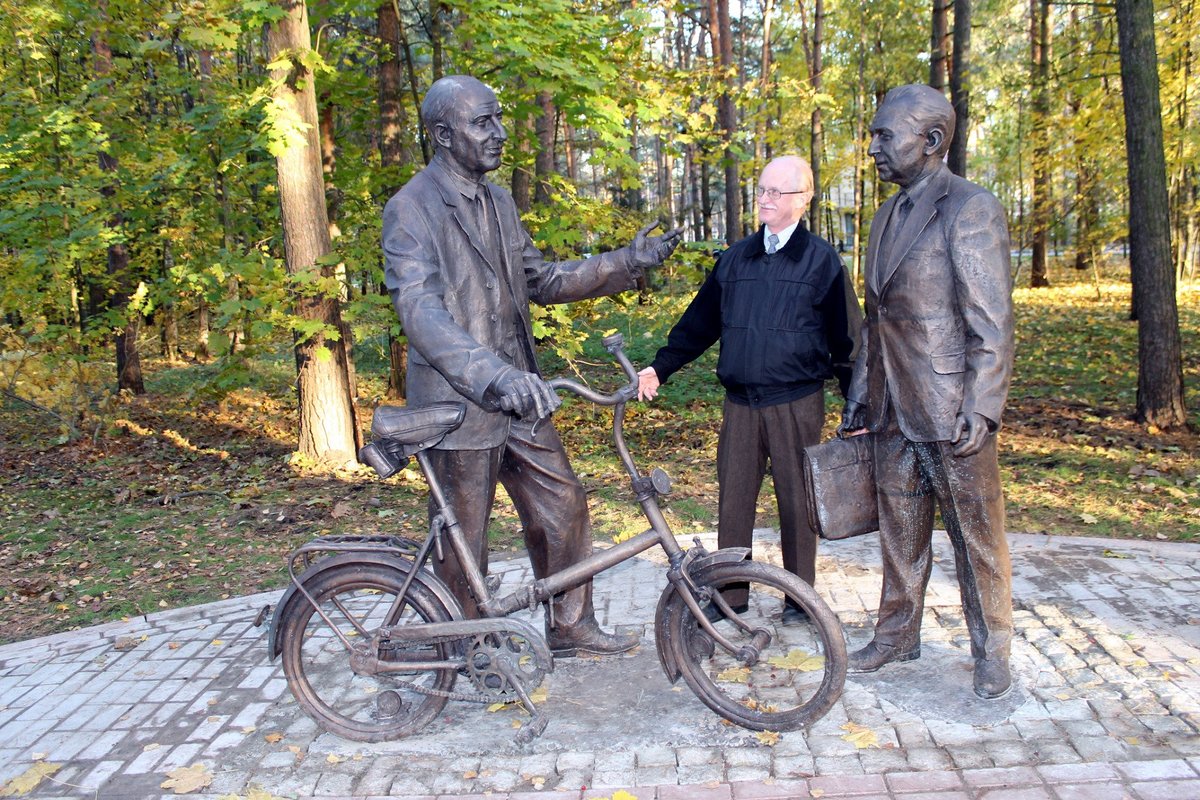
{"points": [[930, 383], [462, 271], [784, 310]]}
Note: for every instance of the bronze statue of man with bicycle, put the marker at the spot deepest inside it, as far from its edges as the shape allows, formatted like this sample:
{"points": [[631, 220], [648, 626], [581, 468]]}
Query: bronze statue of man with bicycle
{"points": [[462, 270]]}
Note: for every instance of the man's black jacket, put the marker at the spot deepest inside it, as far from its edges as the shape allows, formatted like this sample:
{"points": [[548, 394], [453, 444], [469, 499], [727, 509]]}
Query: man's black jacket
{"points": [[786, 322]]}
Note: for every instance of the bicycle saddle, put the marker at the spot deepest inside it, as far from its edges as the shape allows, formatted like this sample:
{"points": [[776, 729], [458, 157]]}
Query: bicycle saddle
{"points": [[401, 432]]}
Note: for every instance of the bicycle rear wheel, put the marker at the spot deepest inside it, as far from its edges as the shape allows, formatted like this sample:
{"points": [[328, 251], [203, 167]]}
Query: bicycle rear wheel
{"points": [[801, 669], [367, 708]]}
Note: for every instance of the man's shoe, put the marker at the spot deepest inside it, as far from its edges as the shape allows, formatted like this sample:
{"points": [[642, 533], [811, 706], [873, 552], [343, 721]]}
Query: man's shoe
{"points": [[992, 679], [793, 614], [714, 614], [874, 656], [589, 639]]}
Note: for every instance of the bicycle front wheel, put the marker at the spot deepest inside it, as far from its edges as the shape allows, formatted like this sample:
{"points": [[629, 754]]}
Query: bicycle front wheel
{"points": [[358, 599], [786, 668]]}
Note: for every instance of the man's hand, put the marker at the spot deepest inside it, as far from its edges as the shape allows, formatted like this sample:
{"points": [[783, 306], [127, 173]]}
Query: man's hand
{"points": [[650, 251], [854, 418], [970, 433], [526, 395], [648, 384]]}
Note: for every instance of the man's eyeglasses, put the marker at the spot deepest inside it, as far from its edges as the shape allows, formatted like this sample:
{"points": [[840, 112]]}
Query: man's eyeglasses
{"points": [[774, 194]]}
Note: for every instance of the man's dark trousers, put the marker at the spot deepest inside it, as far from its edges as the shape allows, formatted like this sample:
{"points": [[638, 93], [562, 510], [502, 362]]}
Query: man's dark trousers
{"points": [[749, 438]]}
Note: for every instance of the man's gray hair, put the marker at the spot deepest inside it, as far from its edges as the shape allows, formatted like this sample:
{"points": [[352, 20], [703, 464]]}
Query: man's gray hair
{"points": [[927, 108]]}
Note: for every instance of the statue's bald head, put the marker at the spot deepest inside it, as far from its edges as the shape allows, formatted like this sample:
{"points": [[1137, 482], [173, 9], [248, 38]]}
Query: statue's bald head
{"points": [[444, 97], [926, 108]]}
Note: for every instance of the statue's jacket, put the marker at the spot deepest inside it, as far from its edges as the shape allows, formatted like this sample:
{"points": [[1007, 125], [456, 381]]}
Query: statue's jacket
{"points": [[450, 289], [938, 338]]}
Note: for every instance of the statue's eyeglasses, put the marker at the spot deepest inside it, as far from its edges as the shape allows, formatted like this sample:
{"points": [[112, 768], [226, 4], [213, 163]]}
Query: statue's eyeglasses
{"points": [[774, 194]]}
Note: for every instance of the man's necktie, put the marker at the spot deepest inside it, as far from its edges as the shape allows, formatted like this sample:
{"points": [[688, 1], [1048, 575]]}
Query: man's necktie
{"points": [[772, 244]]}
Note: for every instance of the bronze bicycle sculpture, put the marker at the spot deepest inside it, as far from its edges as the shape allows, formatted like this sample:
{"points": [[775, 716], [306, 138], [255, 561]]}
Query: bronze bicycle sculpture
{"points": [[372, 642]]}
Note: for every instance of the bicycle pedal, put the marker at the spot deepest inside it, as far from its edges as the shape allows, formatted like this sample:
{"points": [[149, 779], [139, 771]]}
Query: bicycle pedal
{"points": [[532, 729]]}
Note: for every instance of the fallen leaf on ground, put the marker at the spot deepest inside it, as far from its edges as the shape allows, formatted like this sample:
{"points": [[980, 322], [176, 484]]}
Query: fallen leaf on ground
{"points": [[769, 738], [274, 738], [735, 675], [859, 736], [28, 780], [799, 660], [187, 779]]}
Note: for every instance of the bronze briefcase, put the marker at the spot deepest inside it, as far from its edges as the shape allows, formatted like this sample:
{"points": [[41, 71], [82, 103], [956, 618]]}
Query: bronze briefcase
{"points": [[840, 478]]}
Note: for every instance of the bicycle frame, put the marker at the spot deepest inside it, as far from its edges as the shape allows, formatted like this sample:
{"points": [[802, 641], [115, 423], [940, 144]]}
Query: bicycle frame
{"points": [[646, 488]]}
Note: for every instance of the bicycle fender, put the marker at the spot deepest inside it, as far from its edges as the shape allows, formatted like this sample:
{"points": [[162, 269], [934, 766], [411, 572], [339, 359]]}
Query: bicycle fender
{"points": [[666, 658], [292, 594]]}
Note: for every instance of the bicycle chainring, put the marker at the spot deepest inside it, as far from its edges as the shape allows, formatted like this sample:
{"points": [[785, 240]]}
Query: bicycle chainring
{"points": [[496, 659]]}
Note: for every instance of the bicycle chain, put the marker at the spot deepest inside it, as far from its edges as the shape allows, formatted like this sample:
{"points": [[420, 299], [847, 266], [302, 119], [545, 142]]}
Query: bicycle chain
{"points": [[425, 690]]}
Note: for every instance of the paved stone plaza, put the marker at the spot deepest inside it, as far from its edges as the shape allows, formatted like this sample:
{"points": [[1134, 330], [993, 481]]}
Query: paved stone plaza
{"points": [[1106, 659]]}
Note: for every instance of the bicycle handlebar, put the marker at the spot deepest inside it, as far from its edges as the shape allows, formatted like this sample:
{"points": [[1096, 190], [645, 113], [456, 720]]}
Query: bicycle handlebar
{"points": [[614, 344]]}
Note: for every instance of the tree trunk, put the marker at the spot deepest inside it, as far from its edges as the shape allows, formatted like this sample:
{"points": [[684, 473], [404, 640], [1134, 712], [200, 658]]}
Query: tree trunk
{"points": [[1160, 366], [1039, 41], [129, 364], [395, 152], [722, 36], [937, 45], [544, 160], [396, 149], [960, 87], [327, 423], [817, 143]]}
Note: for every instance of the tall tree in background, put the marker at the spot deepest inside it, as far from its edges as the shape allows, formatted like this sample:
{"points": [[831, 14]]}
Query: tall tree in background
{"points": [[960, 87], [114, 294], [1160, 369], [937, 44], [396, 152], [722, 38], [1039, 70], [817, 141], [327, 422]]}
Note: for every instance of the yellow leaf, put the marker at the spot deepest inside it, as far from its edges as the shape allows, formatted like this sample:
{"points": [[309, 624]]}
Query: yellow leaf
{"points": [[816, 792], [274, 738], [333, 758], [28, 780], [249, 729], [769, 738], [798, 660], [151, 746], [186, 780], [470, 775], [735, 675], [621, 794], [494, 707], [217, 643], [859, 736]]}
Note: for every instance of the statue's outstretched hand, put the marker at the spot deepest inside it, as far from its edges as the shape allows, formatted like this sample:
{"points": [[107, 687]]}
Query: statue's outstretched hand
{"points": [[527, 395], [650, 251]]}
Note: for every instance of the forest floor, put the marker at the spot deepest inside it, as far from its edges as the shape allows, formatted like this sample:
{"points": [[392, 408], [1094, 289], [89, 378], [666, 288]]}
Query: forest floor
{"points": [[177, 497]]}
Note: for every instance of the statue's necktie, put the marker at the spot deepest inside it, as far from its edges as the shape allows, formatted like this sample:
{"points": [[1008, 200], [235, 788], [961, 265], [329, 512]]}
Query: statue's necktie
{"points": [[772, 244]]}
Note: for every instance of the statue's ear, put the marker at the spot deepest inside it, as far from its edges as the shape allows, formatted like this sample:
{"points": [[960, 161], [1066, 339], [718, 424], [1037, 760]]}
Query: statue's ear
{"points": [[441, 134], [934, 137]]}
